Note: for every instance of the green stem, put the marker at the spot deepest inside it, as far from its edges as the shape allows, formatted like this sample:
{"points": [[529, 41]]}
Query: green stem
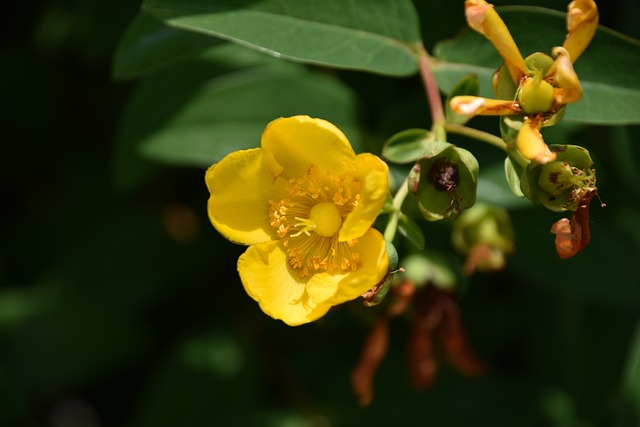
{"points": [[477, 134], [394, 216], [438, 127]]}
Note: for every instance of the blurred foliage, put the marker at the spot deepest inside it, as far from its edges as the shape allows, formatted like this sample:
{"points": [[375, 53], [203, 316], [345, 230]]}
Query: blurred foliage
{"points": [[121, 306]]}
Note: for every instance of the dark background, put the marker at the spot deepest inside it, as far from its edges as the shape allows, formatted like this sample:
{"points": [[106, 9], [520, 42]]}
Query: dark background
{"points": [[123, 307]]}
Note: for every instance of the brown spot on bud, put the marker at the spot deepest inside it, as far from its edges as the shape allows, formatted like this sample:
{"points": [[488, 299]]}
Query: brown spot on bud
{"points": [[443, 175]]}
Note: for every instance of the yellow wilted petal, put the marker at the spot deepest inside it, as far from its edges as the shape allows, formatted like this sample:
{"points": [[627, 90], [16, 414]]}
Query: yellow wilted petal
{"points": [[373, 264], [482, 17], [239, 188], [281, 293], [565, 77], [476, 106], [373, 176], [582, 23], [299, 141], [531, 145]]}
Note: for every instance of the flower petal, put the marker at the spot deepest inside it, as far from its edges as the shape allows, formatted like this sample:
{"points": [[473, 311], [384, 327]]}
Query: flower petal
{"points": [[373, 175], [239, 187], [582, 23], [482, 17], [476, 106], [299, 141], [569, 88], [333, 289], [269, 279], [531, 145]]}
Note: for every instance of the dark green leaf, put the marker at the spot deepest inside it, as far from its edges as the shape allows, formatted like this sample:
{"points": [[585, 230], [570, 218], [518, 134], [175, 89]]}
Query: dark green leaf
{"points": [[148, 45], [376, 36], [631, 374], [407, 146], [190, 116], [607, 69]]}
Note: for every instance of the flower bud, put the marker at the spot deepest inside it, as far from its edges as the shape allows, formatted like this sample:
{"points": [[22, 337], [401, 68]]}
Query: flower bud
{"points": [[444, 181], [485, 235], [560, 185]]}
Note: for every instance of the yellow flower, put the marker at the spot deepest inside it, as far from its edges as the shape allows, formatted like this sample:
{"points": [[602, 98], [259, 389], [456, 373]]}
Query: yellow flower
{"points": [[542, 86], [304, 202]]}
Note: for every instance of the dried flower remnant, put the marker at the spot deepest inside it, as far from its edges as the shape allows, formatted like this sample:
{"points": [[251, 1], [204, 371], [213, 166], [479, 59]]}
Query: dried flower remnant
{"points": [[437, 320], [573, 236], [373, 352]]}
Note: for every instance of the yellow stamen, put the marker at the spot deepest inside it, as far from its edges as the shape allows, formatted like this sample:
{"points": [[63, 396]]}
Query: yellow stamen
{"points": [[309, 221]]}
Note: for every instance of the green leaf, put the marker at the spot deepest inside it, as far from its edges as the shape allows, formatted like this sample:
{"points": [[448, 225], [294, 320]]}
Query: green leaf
{"points": [[411, 231], [407, 146], [631, 373], [191, 115], [148, 45], [376, 36], [607, 69], [198, 137], [468, 85]]}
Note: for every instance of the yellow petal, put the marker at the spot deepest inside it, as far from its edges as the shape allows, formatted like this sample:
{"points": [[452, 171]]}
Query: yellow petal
{"points": [[239, 187], [373, 175], [281, 293], [296, 142], [582, 23], [476, 106], [566, 78], [333, 289], [482, 17], [531, 145]]}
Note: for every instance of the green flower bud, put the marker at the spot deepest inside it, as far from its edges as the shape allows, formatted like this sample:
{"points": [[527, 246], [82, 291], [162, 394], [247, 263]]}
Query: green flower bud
{"points": [[376, 295], [444, 181], [560, 185], [485, 235], [430, 268]]}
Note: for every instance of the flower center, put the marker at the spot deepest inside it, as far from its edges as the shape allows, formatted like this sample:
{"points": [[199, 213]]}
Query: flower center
{"points": [[309, 219], [326, 218]]}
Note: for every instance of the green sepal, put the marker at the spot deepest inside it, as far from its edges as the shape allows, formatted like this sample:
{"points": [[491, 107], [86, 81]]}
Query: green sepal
{"points": [[407, 146], [411, 231], [538, 62], [380, 291], [513, 178], [503, 84]]}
